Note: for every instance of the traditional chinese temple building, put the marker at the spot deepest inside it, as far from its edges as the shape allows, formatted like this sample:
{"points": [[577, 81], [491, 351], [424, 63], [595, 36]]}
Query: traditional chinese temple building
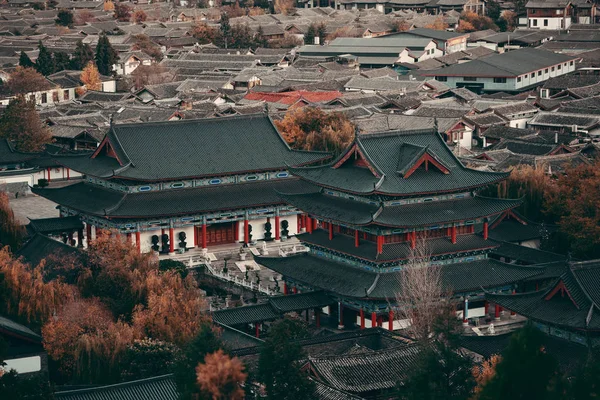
{"points": [[185, 184], [369, 209], [568, 309]]}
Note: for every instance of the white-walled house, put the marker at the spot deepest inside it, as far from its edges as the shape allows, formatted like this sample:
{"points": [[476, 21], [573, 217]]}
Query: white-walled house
{"points": [[512, 71], [128, 62]]}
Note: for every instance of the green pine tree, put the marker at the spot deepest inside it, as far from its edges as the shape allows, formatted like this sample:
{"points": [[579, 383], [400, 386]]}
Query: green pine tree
{"points": [[259, 38], [321, 33], [280, 362], [225, 29], [64, 18], [526, 371], [61, 61], [45, 62], [311, 33], [106, 56], [82, 55], [25, 61]]}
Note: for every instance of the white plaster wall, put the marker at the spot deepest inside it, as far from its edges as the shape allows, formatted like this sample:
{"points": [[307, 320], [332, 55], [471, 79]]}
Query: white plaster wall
{"points": [[109, 86], [519, 123], [24, 365], [553, 23]]}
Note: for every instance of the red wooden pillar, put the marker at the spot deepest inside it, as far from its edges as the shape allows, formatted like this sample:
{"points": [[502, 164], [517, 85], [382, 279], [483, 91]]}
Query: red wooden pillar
{"points": [[512, 313], [295, 290], [330, 225], [309, 225], [171, 240], [356, 238], [246, 233], [497, 311], [373, 320], [454, 235], [285, 288], [277, 236], [362, 319], [413, 239], [68, 174], [318, 317], [88, 233], [48, 169], [204, 238], [486, 307], [485, 230], [391, 320], [257, 325], [138, 241], [314, 224]]}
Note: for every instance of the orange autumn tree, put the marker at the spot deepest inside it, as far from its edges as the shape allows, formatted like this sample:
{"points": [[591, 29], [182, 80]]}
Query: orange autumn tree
{"points": [[11, 232], [91, 77], [174, 309], [86, 341], [311, 128], [24, 293], [221, 376], [484, 373]]}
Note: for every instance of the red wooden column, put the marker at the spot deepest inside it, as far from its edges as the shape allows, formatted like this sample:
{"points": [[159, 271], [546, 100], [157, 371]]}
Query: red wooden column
{"points": [[277, 235], [285, 288], [413, 239], [362, 319], [314, 224], [309, 225], [257, 329], [68, 174], [512, 313], [453, 234], [88, 233], [204, 238], [486, 307], [246, 233], [318, 317], [373, 320], [330, 225], [138, 241], [497, 312], [171, 240], [48, 169], [341, 316], [295, 290], [485, 229], [391, 320], [379, 244], [356, 238]]}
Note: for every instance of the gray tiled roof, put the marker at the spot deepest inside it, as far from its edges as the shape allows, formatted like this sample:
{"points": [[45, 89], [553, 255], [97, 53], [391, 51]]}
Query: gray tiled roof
{"points": [[157, 388]]}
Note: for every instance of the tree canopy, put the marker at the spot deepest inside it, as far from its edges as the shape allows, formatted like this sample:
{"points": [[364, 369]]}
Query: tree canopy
{"points": [[21, 124], [309, 128], [82, 55], [106, 56], [44, 63], [25, 80], [64, 18]]}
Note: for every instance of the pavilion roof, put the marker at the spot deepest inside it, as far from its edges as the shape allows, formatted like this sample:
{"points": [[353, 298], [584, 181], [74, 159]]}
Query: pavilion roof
{"points": [[388, 163], [41, 246], [183, 149], [349, 281], [96, 200], [572, 302], [358, 373], [56, 225], [367, 250], [346, 211]]}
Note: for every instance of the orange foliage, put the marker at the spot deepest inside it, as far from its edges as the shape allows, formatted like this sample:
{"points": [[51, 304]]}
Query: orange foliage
{"points": [[484, 373], [438, 24], [220, 376], [174, 310], [311, 128], [344, 31], [139, 16], [84, 16], [91, 77], [285, 7], [85, 341], [109, 5], [26, 294], [471, 22], [25, 80]]}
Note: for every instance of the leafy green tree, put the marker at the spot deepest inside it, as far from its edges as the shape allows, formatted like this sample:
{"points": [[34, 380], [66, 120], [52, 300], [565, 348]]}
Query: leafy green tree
{"points": [[147, 358], [44, 63], [61, 61], [64, 18], [25, 61], [106, 56], [526, 371], [204, 343], [21, 124], [442, 372], [259, 38], [586, 384], [311, 33], [493, 10], [173, 265], [82, 55], [321, 32], [280, 362], [241, 36], [225, 29]]}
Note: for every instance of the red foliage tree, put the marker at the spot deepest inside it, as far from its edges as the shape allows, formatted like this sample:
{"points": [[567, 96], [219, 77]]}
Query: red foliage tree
{"points": [[220, 376]]}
